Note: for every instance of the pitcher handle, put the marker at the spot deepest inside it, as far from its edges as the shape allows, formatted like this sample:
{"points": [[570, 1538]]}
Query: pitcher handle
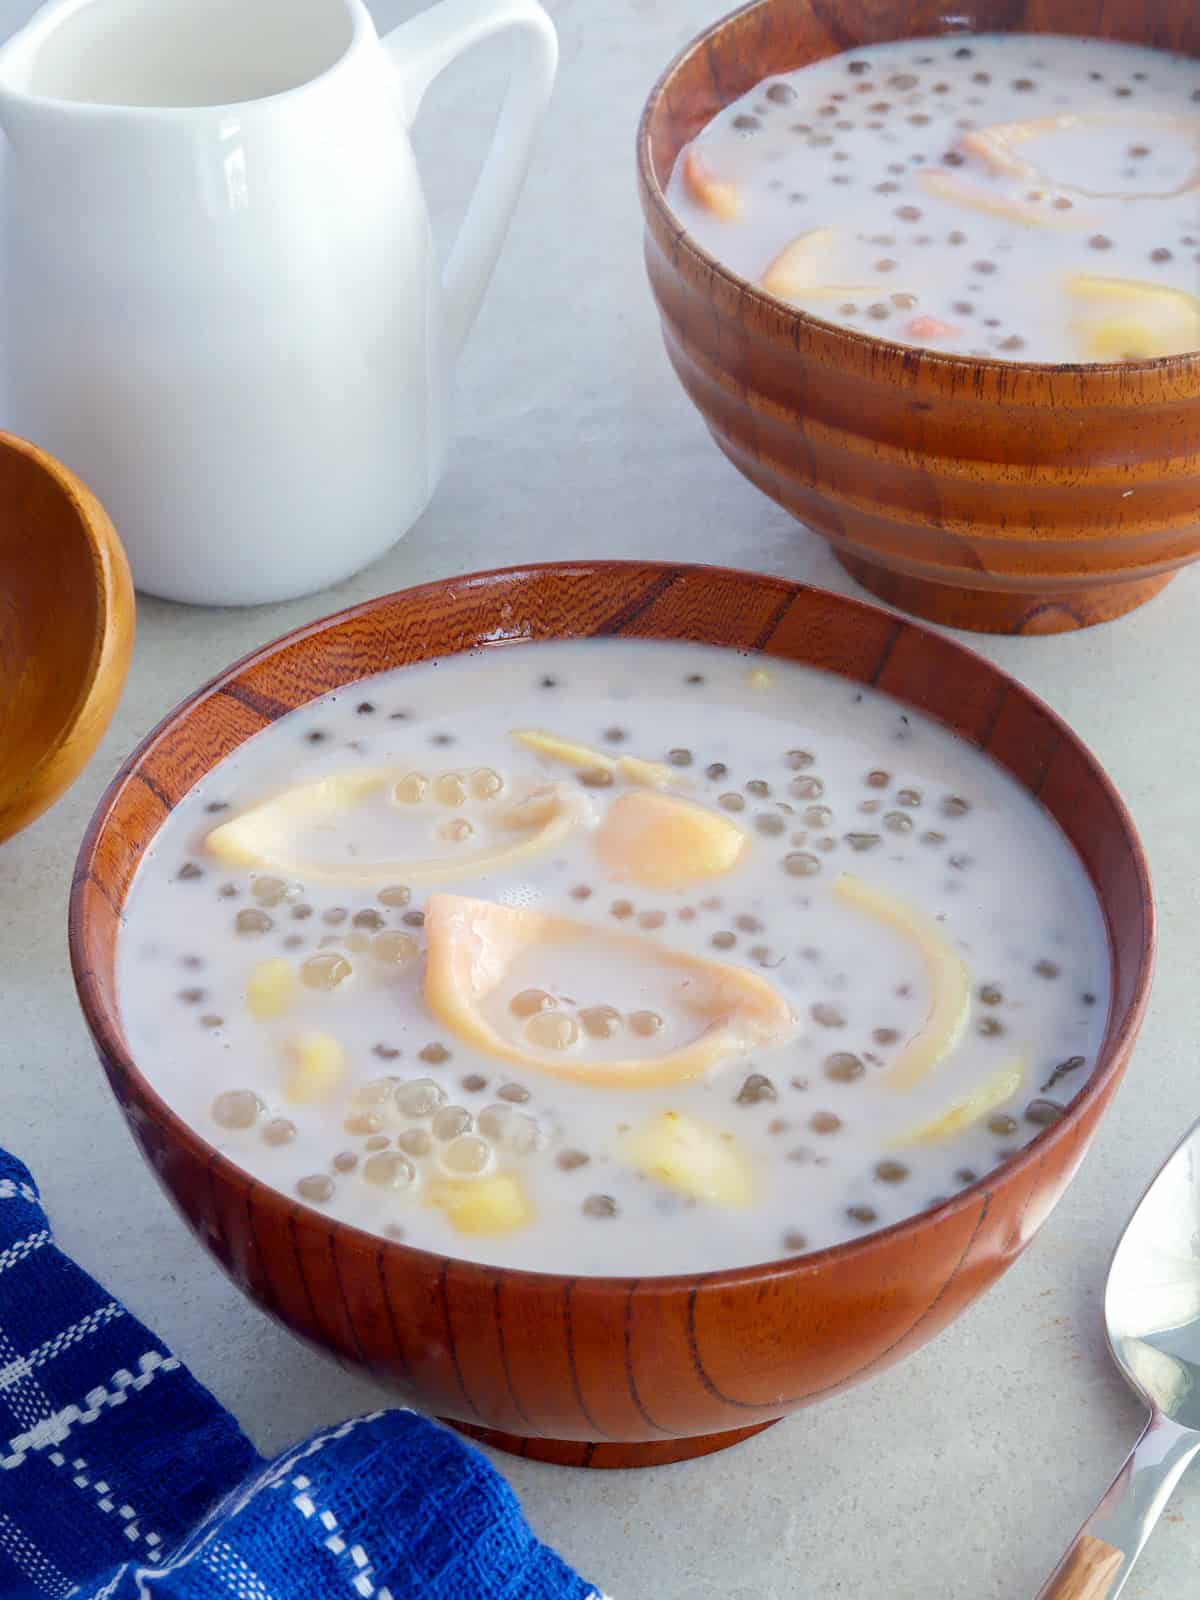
{"points": [[422, 48]]}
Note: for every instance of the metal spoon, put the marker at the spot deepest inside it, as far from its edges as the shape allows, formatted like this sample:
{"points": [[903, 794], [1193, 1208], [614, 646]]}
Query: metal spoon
{"points": [[1152, 1318]]}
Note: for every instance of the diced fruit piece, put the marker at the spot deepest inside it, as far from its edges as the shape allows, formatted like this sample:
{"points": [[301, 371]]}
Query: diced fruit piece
{"points": [[968, 1108], [663, 842], [265, 836], [962, 192], [949, 977], [931, 329], [1126, 319], [801, 265], [573, 754], [316, 1066], [715, 194], [687, 1155], [473, 944], [485, 1205], [271, 989], [252, 839]]}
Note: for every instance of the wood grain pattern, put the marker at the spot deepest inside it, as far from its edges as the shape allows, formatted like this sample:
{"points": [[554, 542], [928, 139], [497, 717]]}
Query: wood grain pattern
{"points": [[603, 1371], [1000, 496], [1088, 1573], [66, 630]]}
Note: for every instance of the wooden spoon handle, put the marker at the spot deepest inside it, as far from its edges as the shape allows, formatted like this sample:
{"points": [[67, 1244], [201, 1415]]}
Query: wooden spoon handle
{"points": [[1087, 1572], [1110, 1541]]}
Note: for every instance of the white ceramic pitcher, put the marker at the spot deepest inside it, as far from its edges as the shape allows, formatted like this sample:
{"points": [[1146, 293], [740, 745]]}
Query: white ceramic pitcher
{"points": [[223, 309]]}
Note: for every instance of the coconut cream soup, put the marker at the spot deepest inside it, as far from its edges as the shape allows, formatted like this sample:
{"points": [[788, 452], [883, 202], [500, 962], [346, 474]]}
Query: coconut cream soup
{"points": [[1026, 197], [613, 957]]}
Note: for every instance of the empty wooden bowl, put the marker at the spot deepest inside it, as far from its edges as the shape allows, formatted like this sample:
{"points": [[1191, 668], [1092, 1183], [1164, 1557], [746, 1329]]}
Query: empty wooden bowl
{"points": [[995, 495], [68, 629], [609, 1371]]}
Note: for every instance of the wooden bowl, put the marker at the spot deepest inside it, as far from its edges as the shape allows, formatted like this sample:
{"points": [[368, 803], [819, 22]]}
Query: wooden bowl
{"points": [[609, 1371], [67, 631], [997, 495]]}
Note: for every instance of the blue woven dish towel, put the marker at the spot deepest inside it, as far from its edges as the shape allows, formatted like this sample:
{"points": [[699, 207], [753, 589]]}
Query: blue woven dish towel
{"points": [[122, 1479]]}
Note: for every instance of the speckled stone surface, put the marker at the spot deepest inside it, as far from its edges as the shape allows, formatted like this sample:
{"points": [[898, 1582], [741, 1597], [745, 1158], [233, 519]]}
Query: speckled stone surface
{"points": [[957, 1476]]}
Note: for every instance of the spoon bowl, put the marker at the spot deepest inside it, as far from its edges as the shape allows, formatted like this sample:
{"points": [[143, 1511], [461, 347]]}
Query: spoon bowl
{"points": [[1152, 1318], [66, 629]]}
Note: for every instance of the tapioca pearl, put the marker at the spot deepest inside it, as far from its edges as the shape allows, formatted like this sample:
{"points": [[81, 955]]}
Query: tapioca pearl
{"points": [[724, 940], [680, 757], [450, 1121], [904, 302], [869, 808], [415, 1141], [434, 1054], [237, 1108], [984, 268], [335, 916], [897, 822], [385, 1052], [596, 778], [863, 1215], [474, 1083], [770, 825], [1047, 969], [1087, 999], [396, 895], [571, 1160], [530, 1001], [756, 1089], [848, 309], [189, 872], [828, 1016], [806, 787], [1100, 241], [1023, 85], [621, 909], [795, 1242], [892, 1171], [552, 1030], [919, 120], [253, 922], [363, 1123], [686, 914], [581, 891], [269, 891], [990, 1027], [378, 1092], [886, 264], [646, 1024], [1161, 254], [515, 1093], [759, 788], [441, 739], [781, 94], [825, 1123], [413, 919], [1123, 91], [193, 997], [378, 1141], [344, 1161], [599, 1206], [886, 1036], [651, 919], [716, 771], [843, 1067], [1002, 1125], [211, 1020], [732, 802], [389, 1170], [863, 841], [327, 970], [395, 948], [601, 1022], [419, 1097], [411, 789], [317, 1187], [745, 123], [1043, 1113], [801, 864], [279, 1131], [888, 186], [839, 155]]}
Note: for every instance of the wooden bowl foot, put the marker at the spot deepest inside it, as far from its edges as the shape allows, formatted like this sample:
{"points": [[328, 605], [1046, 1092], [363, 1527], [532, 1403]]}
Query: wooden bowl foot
{"points": [[582, 1453], [1003, 610]]}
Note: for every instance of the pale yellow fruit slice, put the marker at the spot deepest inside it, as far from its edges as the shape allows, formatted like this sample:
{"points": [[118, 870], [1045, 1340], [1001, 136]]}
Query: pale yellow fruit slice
{"points": [[702, 184], [662, 842], [316, 1067], [962, 192], [473, 944], [802, 264], [996, 146], [264, 836], [271, 989], [949, 977], [493, 1205], [686, 1155], [572, 754], [1119, 319], [968, 1108]]}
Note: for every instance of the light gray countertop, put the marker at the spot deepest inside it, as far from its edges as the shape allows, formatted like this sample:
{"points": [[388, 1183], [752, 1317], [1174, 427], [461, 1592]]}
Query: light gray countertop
{"points": [[958, 1475]]}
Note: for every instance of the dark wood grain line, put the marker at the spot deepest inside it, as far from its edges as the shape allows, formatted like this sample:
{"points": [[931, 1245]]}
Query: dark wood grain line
{"points": [[498, 1315], [317, 1325], [263, 705], [332, 1242], [885, 655], [397, 1342], [1046, 766], [210, 1173], [628, 1353], [87, 875], [451, 1342], [147, 782], [568, 1292], [618, 621], [774, 622], [266, 1289], [994, 720]]}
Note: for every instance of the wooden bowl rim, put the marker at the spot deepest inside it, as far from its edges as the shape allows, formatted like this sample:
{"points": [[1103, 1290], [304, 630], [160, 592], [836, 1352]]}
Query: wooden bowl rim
{"points": [[286, 1212], [855, 345], [110, 653]]}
